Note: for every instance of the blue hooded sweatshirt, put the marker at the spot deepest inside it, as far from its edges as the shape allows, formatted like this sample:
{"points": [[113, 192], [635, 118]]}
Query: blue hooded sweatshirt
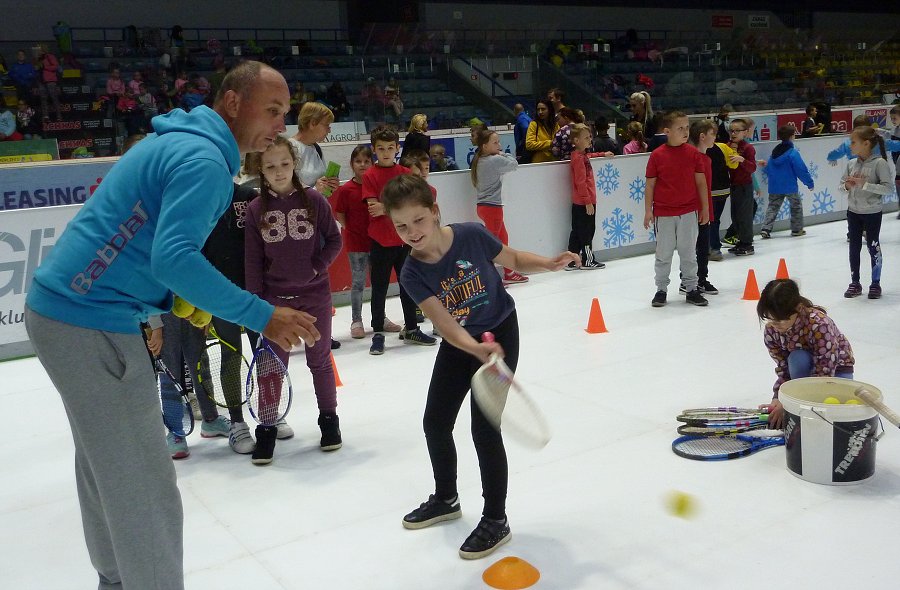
{"points": [[138, 238], [785, 167]]}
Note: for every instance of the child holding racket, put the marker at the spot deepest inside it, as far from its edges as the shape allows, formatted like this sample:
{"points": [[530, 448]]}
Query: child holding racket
{"points": [[801, 339], [450, 274], [291, 240]]}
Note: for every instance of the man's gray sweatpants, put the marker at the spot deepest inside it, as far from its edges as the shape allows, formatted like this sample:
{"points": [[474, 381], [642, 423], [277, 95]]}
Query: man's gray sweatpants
{"points": [[677, 232], [130, 504]]}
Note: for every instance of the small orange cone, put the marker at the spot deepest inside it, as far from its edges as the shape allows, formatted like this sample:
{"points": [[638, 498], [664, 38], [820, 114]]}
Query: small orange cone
{"points": [[337, 378], [511, 573], [596, 325], [751, 290], [782, 272]]}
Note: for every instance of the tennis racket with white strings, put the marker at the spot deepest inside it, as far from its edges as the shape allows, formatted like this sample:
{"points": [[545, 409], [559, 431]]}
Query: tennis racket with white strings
{"points": [[268, 386], [735, 417], [222, 372], [505, 404], [728, 430], [177, 414], [723, 448]]}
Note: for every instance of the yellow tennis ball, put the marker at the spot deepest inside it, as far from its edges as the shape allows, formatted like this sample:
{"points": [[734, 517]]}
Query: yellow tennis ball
{"points": [[681, 504], [200, 318], [182, 308], [852, 402], [832, 400]]}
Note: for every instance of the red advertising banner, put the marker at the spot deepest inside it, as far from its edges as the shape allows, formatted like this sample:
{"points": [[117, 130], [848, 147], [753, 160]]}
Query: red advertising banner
{"points": [[722, 21]]}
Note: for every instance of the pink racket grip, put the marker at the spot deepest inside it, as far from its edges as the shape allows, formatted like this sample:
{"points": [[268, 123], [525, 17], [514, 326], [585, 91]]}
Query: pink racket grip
{"points": [[488, 337]]}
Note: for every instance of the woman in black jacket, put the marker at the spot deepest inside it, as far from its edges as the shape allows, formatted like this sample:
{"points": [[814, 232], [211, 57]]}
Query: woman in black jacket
{"points": [[416, 139]]}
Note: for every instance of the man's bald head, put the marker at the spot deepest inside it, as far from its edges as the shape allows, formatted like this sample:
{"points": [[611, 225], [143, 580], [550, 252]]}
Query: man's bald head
{"points": [[518, 108], [243, 77], [253, 101]]}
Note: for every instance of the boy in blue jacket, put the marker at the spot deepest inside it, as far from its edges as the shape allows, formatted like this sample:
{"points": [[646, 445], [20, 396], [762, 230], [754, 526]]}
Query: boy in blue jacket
{"points": [[785, 168]]}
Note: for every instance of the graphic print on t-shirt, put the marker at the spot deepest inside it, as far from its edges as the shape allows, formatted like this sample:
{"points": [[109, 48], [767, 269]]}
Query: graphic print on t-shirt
{"points": [[463, 292]]}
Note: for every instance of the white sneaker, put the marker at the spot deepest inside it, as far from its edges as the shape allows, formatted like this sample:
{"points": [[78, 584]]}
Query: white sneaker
{"points": [[284, 430], [239, 439]]}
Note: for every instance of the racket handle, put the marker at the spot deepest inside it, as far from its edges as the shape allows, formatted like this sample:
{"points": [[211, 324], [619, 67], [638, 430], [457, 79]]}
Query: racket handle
{"points": [[488, 337], [866, 396]]}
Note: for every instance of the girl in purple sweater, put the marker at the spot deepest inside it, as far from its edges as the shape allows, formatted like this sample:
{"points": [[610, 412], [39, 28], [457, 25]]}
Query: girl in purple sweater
{"points": [[291, 240], [801, 339]]}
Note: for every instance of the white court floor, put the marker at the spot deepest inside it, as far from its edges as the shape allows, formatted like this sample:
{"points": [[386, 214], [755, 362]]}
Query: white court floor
{"points": [[588, 511]]}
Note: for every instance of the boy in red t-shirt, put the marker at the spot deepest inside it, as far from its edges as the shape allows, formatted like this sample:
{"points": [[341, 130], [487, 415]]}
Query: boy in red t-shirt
{"points": [[387, 249], [675, 201]]}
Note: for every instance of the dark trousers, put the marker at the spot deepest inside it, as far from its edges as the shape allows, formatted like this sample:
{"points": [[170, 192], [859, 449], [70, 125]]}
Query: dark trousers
{"points": [[581, 238], [718, 207], [450, 382], [381, 260], [871, 224], [742, 213], [703, 251]]}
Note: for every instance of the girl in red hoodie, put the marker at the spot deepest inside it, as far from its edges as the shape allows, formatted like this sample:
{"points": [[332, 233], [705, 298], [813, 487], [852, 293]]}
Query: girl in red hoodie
{"points": [[584, 199]]}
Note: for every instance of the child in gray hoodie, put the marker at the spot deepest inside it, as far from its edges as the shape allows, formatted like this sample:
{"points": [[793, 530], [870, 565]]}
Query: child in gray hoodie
{"points": [[867, 179]]}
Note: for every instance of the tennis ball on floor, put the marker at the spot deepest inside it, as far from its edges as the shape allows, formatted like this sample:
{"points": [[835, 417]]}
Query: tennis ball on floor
{"points": [[681, 504], [831, 400], [852, 402], [182, 308], [200, 318]]}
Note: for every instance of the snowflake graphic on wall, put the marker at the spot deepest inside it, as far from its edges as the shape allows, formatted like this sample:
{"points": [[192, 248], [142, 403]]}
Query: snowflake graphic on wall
{"points": [[618, 229], [764, 175], [823, 202], [892, 196], [651, 234], [813, 169], [785, 211], [636, 189], [761, 205], [608, 179]]}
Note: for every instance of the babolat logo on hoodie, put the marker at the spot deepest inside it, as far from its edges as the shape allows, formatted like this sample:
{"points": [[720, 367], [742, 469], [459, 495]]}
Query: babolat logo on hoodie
{"points": [[107, 254]]}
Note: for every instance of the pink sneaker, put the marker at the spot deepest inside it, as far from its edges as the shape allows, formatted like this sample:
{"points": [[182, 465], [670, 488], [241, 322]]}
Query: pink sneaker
{"points": [[357, 330], [390, 326], [511, 276]]}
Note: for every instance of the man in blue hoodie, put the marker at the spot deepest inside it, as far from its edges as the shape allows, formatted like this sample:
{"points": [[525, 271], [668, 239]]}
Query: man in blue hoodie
{"points": [[523, 120], [784, 168], [135, 242]]}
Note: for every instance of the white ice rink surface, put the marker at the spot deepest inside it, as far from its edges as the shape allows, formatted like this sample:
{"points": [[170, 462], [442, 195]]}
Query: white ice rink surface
{"points": [[588, 511]]}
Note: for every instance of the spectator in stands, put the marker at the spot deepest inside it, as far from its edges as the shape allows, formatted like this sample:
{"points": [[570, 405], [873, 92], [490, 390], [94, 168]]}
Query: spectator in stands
{"points": [[520, 130], [177, 49], [146, 103], [634, 133], [191, 98], [723, 134], [440, 161], [562, 146], [642, 112], [373, 101], [337, 98], [23, 76], [8, 124], [25, 121], [602, 141], [416, 139], [200, 83], [134, 86], [215, 79], [475, 128], [392, 99], [180, 81], [314, 125], [556, 98], [810, 128], [115, 86], [48, 83], [539, 139]]}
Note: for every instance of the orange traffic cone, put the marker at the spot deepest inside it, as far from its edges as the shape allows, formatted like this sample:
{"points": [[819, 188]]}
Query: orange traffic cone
{"points": [[337, 378], [511, 573], [782, 272], [596, 325], [751, 290]]}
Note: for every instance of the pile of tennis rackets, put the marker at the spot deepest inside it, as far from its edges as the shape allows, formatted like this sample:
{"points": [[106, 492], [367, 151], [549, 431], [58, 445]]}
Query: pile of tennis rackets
{"points": [[722, 433]]}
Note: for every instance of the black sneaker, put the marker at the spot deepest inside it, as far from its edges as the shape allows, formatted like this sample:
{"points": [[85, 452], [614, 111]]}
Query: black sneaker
{"points": [[484, 540], [765, 234], [592, 265], [335, 344], [377, 344], [420, 317], [571, 266], [331, 432], [798, 233], [265, 445], [695, 297], [682, 289], [659, 299], [730, 240], [744, 251], [854, 290], [707, 288], [875, 291], [432, 511], [417, 336]]}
